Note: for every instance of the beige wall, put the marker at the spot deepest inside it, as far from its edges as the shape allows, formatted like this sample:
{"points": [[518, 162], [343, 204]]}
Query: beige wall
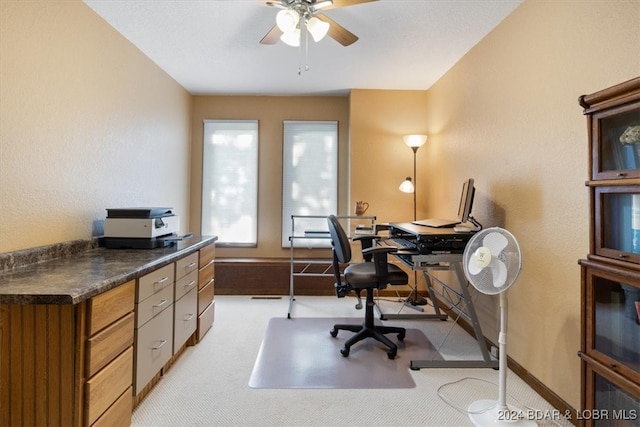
{"points": [[380, 160], [87, 123], [507, 115], [270, 111]]}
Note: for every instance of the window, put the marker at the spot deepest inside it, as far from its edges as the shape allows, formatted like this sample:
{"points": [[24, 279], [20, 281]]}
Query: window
{"points": [[310, 177], [230, 181]]}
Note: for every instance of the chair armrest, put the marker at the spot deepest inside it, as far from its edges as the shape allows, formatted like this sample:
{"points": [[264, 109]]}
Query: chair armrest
{"points": [[366, 241], [380, 255]]}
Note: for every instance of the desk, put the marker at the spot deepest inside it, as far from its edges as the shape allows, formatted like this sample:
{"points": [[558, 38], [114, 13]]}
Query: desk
{"points": [[429, 263], [464, 306]]}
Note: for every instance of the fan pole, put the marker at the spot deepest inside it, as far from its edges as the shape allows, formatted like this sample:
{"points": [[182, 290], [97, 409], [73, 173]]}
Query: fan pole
{"points": [[502, 362]]}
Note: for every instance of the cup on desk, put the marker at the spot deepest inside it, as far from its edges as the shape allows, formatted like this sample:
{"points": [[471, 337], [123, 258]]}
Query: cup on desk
{"points": [[361, 207]]}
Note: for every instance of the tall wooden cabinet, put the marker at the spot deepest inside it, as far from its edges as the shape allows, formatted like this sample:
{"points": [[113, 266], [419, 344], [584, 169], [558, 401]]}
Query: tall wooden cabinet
{"points": [[610, 292]]}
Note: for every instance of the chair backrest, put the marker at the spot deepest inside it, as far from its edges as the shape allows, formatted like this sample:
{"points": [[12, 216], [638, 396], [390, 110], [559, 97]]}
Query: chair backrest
{"points": [[339, 240]]}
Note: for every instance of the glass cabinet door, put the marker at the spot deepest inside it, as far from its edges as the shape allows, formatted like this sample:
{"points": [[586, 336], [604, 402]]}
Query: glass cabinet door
{"points": [[617, 223], [613, 321], [609, 404], [616, 145]]}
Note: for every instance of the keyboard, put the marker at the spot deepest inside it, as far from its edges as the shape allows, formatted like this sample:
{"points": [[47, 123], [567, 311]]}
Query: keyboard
{"points": [[400, 243]]}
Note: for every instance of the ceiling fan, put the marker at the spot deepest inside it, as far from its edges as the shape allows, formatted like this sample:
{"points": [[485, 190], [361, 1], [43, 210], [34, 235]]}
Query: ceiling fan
{"points": [[296, 15]]}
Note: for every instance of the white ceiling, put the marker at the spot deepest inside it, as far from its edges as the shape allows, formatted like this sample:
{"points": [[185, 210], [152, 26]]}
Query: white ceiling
{"points": [[212, 46]]}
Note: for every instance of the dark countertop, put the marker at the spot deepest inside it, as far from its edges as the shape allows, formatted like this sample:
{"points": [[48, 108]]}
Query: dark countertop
{"points": [[75, 278]]}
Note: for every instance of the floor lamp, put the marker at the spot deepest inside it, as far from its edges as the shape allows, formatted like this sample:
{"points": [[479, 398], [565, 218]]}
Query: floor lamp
{"points": [[409, 186]]}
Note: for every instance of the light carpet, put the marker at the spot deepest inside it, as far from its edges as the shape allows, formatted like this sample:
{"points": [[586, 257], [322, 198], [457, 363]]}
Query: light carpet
{"points": [[300, 353], [208, 385]]}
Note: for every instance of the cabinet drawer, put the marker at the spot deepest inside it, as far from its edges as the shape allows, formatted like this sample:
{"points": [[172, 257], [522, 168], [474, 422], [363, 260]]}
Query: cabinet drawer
{"points": [[205, 297], [186, 265], [205, 320], [106, 345], [104, 388], [206, 274], [153, 306], [186, 318], [154, 342], [186, 284], [207, 254], [154, 282], [108, 307], [119, 414]]}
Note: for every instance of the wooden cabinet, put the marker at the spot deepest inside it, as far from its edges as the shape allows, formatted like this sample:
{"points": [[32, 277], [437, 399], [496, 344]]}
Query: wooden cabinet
{"points": [[610, 292], [78, 335], [68, 364], [206, 281]]}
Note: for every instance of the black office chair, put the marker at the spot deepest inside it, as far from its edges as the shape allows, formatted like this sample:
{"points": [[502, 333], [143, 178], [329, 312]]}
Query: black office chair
{"points": [[364, 276]]}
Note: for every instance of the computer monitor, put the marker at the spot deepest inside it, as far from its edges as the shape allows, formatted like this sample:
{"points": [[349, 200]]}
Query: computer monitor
{"points": [[466, 201]]}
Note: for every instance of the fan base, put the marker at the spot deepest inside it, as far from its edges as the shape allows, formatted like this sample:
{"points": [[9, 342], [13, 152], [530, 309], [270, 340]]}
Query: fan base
{"points": [[486, 413]]}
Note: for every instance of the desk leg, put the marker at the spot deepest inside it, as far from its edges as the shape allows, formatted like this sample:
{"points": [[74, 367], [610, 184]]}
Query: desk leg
{"points": [[291, 298], [486, 361]]}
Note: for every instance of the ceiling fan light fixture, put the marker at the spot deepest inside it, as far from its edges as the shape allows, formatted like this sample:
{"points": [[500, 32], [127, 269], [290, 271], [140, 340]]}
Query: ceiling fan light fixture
{"points": [[287, 20], [292, 38], [317, 28]]}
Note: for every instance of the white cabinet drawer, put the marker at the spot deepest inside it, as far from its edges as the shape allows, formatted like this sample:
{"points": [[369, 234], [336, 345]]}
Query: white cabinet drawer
{"points": [[186, 265], [186, 284], [186, 318], [205, 320], [154, 344], [154, 305], [155, 282]]}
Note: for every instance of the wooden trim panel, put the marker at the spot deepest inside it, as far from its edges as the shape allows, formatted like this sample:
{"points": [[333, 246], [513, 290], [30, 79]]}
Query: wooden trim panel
{"points": [[37, 363]]}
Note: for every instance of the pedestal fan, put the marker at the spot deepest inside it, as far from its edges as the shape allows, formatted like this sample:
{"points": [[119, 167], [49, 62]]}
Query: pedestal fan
{"points": [[492, 262]]}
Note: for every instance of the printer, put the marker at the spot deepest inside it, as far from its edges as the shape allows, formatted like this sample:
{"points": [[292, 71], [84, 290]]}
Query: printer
{"points": [[140, 228]]}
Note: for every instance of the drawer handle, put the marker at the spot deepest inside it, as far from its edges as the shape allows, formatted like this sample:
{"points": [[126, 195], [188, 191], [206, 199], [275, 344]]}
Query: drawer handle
{"points": [[188, 317], [161, 281], [190, 284], [193, 264], [622, 256], [622, 174], [159, 346], [160, 304]]}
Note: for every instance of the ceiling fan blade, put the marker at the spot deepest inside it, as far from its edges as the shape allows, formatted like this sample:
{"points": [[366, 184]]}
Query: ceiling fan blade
{"points": [[344, 3], [337, 31], [277, 3], [273, 36]]}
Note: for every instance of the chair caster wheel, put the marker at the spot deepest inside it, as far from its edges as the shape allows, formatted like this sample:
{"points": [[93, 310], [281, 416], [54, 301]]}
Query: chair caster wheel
{"points": [[334, 332], [344, 351], [392, 354], [401, 336]]}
